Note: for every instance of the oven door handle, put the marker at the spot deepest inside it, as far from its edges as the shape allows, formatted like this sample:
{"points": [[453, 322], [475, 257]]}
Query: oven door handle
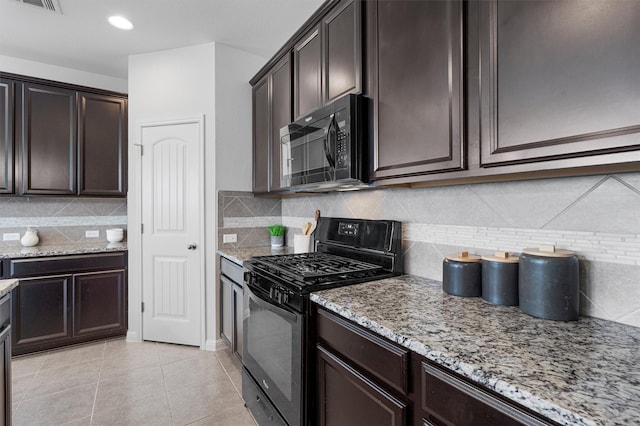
{"points": [[275, 306]]}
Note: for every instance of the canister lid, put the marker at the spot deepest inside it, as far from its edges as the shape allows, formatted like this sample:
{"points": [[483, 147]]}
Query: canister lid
{"points": [[548, 251], [502, 256], [463, 256]]}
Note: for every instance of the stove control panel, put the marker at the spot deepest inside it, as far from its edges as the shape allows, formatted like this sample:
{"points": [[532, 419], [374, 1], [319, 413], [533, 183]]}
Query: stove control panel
{"points": [[350, 229], [280, 294]]}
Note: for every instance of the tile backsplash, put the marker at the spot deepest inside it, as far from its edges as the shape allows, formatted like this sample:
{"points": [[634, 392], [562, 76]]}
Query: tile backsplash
{"points": [[60, 221], [598, 217], [246, 216]]}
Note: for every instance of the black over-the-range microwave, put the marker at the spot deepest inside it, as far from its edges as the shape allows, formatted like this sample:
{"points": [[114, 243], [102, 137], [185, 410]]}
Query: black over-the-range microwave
{"points": [[327, 149]]}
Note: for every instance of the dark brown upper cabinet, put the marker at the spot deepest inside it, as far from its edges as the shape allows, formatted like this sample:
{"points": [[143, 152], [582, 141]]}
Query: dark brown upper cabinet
{"points": [[307, 59], [261, 133], [327, 59], [415, 69], [7, 99], [280, 115], [102, 136], [558, 80], [271, 111], [68, 140], [48, 142]]}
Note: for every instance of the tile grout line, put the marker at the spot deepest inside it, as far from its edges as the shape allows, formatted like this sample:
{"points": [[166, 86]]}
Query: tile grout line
{"points": [[164, 385], [95, 395], [577, 200]]}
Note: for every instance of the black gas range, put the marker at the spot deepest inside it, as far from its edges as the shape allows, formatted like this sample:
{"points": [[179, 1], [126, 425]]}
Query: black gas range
{"points": [[348, 251]]}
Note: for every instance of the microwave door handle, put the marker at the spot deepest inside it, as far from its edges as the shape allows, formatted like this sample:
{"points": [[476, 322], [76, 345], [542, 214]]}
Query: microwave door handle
{"points": [[330, 143]]}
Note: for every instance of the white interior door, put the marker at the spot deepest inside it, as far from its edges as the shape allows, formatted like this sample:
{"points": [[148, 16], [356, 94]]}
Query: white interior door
{"points": [[172, 220]]}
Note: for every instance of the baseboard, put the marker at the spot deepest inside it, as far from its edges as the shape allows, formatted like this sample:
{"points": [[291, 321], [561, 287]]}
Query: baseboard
{"points": [[132, 336], [214, 345]]}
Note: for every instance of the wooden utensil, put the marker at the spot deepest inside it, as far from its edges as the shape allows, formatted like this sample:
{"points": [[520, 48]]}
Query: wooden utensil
{"points": [[306, 228]]}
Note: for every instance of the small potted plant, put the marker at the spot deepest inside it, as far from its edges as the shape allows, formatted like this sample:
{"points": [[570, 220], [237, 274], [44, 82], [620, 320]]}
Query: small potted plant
{"points": [[277, 235]]}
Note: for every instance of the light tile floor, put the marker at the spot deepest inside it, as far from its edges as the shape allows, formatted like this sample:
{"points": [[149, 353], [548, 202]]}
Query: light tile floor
{"points": [[118, 383]]}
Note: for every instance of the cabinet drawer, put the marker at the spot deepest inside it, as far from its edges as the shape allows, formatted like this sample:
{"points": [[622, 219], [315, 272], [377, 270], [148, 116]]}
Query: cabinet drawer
{"points": [[446, 399], [30, 267], [370, 353], [232, 270]]}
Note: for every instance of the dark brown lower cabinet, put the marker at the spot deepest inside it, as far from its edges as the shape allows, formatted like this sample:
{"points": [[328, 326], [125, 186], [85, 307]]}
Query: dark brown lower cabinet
{"points": [[69, 307], [346, 397], [5, 360], [98, 306], [41, 312], [441, 398], [362, 379], [365, 379], [231, 294]]}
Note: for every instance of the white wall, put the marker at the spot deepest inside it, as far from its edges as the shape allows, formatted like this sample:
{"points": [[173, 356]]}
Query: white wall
{"points": [[234, 69], [172, 84], [66, 75], [209, 79]]}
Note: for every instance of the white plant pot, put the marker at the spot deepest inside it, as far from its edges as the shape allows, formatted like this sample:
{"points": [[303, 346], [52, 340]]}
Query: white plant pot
{"points": [[277, 241]]}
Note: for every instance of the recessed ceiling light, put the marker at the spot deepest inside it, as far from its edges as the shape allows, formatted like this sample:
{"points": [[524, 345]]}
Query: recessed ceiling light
{"points": [[120, 22]]}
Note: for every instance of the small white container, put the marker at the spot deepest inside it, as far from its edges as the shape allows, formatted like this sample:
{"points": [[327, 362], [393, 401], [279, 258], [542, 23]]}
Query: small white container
{"points": [[115, 235], [301, 243]]}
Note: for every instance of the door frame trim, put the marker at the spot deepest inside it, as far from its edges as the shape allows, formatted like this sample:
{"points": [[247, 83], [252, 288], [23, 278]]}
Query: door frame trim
{"points": [[136, 291]]}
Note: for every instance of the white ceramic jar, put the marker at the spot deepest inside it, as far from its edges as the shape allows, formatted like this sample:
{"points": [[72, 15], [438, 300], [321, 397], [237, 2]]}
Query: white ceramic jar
{"points": [[30, 238]]}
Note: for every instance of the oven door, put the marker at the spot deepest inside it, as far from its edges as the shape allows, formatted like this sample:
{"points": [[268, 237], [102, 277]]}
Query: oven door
{"points": [[272, 351]]}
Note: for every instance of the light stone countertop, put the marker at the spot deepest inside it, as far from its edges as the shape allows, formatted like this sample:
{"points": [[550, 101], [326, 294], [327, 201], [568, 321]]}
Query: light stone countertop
{"points": [[576, 373], [7, 285], [61, 249], [239, 255]]}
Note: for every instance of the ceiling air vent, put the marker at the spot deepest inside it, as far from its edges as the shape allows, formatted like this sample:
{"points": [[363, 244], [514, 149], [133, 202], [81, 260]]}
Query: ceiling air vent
{"points": [[50, 5]]}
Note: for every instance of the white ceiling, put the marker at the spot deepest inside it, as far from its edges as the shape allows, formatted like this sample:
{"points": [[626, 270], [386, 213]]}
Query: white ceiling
{"points": [[81, 38]]}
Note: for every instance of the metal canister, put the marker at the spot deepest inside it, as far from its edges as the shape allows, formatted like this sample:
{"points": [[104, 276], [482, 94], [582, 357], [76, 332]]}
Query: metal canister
{"points": [[461, 275], [500, 279], [549, 285]]}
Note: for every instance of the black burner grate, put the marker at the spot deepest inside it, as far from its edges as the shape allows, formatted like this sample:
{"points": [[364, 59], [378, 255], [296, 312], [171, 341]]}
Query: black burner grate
{"points": [[311, 266]]}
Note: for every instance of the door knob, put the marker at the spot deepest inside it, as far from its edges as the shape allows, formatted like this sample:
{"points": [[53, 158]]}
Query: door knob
{"points": [[192, 246]]}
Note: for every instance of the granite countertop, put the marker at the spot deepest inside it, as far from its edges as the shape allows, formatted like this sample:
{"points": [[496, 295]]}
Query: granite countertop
{"points": [[580, 372], [7, 285], [239, 255], [61, 249]]}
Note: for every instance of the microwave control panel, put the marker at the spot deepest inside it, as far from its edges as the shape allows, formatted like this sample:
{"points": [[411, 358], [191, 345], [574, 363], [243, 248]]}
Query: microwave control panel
{"points": [[342, 144]]}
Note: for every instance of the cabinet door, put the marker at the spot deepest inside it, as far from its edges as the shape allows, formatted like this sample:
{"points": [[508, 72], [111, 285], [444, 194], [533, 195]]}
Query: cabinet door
{"points": [[261, 120], [227, 317], [5, 376], [415, 64], [281, 114], [102, 144], [7, 94], [307, 62], [238, 296], [99, 303], [41, 313], [558, 80], [345, 397], [5, 360], [342, 31], [48, 140]]}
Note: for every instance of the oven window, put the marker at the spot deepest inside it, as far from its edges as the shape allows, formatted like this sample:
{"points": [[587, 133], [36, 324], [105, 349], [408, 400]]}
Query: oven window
{"points": [[270, 344]]}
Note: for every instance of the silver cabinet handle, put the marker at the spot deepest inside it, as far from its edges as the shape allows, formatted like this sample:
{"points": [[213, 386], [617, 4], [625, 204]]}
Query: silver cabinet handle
{"points": [[192, 246]]}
